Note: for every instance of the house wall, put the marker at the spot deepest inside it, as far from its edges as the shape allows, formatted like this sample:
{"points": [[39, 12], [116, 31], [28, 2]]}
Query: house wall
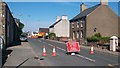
{"points": [[51, 30], [10, 30], [78, 30], [104, 20], [0, 18], [0, 22], [73, 29], [9, 26], [61, 29]]}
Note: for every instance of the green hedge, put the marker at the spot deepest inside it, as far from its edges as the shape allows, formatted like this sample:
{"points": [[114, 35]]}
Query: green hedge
{"points": [[52, 35], [97, 37]]}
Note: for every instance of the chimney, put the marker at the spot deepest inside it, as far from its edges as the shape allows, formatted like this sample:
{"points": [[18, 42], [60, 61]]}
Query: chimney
{"points": [[83, 7], [64, 17], [58, 18], [104, 2]]}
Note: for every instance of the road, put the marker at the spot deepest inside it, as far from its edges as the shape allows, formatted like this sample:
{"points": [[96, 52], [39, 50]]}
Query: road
{"points": [[84, 58]]}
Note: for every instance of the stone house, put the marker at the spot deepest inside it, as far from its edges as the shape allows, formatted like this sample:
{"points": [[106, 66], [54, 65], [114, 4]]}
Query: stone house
{"points": [[97, 19], [9, 28]]}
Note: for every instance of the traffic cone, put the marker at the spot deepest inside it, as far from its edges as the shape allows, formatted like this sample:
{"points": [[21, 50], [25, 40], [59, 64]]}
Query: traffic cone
{"points": [[54, 52], [44, 51], [92, 50]]}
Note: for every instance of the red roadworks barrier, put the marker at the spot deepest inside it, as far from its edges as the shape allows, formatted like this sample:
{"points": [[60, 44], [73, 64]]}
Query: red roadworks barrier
{"points": [[73, 46]]}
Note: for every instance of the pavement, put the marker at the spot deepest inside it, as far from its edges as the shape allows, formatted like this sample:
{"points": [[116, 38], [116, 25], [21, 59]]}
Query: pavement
{"points": [[21, 55], [95, 48]]}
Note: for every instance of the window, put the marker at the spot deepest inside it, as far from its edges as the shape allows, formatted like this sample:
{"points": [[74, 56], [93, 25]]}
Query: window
{"points": [[72, 25], [81, 34], [95, 29], [77, 34], [73, 34], [81, 25], [78, 25]]}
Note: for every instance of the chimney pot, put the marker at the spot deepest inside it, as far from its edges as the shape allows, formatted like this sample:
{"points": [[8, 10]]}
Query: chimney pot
{"points": [[104, 2], [83, 7], [64, 17], [58, 18]]}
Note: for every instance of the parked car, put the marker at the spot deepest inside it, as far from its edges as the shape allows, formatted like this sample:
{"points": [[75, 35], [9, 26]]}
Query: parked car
{"points": [[23, 38]]}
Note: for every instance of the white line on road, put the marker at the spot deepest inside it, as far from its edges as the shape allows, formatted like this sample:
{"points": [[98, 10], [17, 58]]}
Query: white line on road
{"points": [[50, 44], [61, 49], [85, 58], [76, 55]]}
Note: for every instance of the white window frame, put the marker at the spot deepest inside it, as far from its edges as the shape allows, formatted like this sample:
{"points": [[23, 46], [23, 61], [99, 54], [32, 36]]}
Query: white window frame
{"points": [[78, 34], [81, 34], [73, 35], [81, 25], [72, 25]]}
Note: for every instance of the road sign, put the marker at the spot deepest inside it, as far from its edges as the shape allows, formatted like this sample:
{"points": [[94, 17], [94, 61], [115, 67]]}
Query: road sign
{"points": [[73, 46]]}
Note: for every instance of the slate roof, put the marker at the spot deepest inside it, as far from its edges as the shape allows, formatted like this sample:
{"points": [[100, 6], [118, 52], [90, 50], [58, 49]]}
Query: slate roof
{"points": [[44, 30], [55, 23], [85, 12]]}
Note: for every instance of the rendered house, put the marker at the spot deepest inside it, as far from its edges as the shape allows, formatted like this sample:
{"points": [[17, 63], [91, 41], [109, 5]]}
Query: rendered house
{"points": [[97, 19], [61, 27]]}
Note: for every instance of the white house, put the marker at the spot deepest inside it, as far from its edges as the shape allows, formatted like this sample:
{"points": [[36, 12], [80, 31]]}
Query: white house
{"points": [[60, 27]]}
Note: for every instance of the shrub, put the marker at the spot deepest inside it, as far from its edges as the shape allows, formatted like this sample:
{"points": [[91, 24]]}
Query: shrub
{"points": [[52, 35], [98, 38], [98, 35], [105, 39], [93, 39]]}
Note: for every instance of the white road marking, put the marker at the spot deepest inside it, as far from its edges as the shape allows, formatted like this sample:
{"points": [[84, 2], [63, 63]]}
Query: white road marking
{"points": [[85, 58], [50, 44], [110, 65], [61, 49]]}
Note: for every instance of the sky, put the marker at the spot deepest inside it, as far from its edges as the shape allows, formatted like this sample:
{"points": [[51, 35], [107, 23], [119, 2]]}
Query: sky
{"points": [[36, 15]]}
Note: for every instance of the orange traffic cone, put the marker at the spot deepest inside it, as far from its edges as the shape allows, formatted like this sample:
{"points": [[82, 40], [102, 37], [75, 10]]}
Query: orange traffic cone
{"points": [[54, 52], [92, 50], [44, 51]]}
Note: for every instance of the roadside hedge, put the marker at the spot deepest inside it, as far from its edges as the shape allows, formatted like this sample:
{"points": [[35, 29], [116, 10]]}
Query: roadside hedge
{"points": [[98, 37]]}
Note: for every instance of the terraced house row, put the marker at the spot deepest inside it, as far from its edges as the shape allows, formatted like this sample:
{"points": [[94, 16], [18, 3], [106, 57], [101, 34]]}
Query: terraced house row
{"points": [[96, 19]]}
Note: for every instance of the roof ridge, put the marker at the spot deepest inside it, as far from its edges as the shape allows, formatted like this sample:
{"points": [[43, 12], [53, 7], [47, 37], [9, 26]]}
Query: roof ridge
{"points": [[55, 23], [85, 12]]}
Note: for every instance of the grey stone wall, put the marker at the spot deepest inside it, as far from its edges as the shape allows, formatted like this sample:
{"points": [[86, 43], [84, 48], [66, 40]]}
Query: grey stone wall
{"points": [[104, 20]]}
